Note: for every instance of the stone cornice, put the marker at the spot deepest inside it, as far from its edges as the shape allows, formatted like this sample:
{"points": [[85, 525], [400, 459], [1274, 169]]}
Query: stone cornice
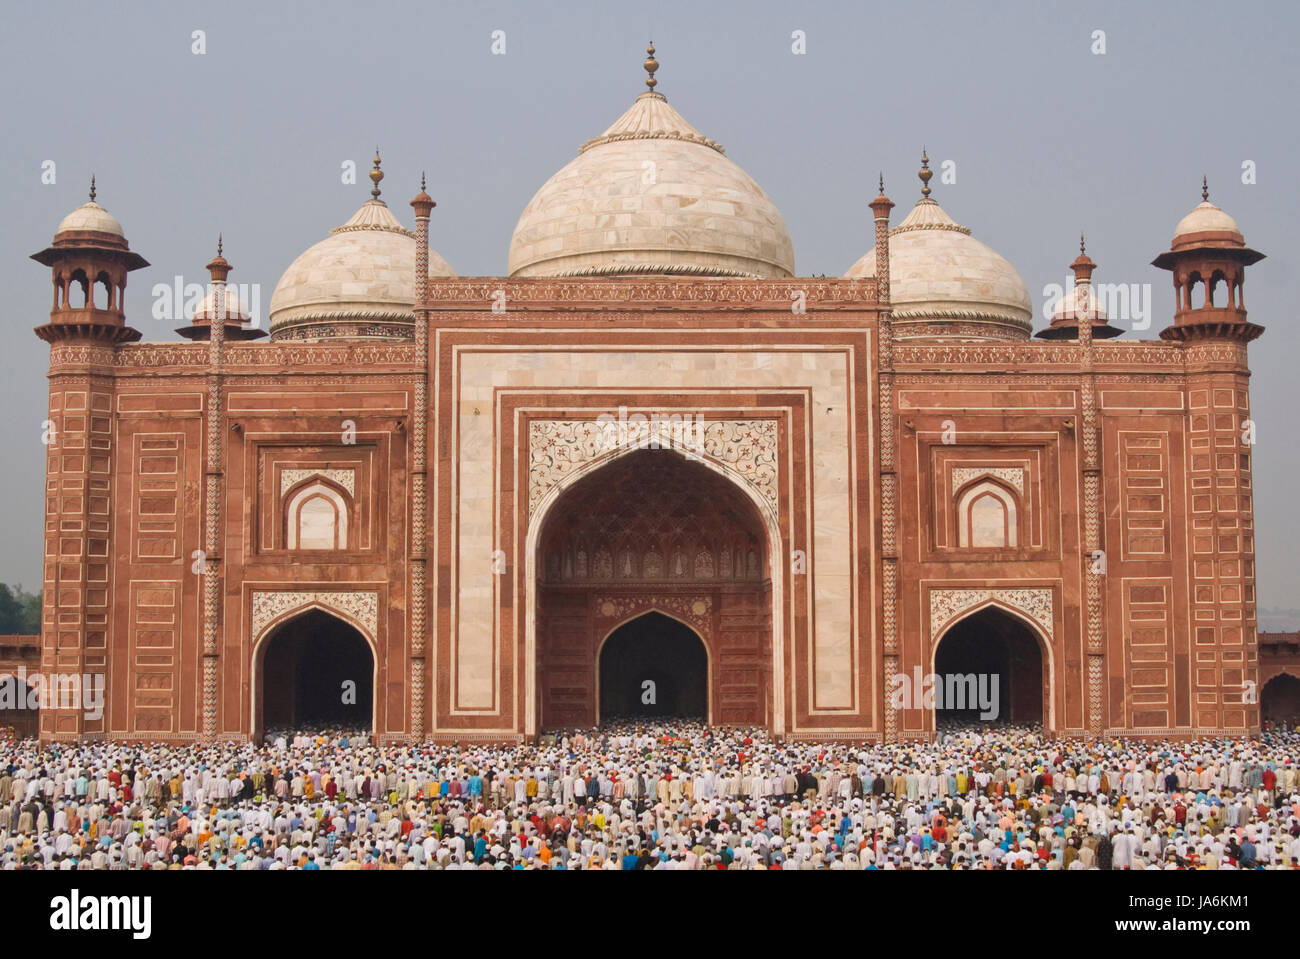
{"points": [[650, 293], [1117, 356], [353, 358]]}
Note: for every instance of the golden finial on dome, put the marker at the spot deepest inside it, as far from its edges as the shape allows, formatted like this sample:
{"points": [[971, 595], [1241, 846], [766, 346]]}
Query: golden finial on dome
{"points": [[376, 175], [1205, 189], [651, 65], [92, 188], [925, 174]]}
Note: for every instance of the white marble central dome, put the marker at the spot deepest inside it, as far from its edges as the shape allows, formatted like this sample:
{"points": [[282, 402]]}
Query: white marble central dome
{"points": [[651, 195]]}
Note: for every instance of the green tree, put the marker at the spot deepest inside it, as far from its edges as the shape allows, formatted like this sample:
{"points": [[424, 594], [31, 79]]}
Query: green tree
{"points": [[20, 611]]}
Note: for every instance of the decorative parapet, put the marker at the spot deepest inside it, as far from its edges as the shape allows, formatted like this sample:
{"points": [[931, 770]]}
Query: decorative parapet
{"points": [[237, 357], [651, 293]]}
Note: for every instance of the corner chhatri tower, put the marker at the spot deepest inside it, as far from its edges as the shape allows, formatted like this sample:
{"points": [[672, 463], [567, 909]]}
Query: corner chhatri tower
{"points": [[651, 453]]}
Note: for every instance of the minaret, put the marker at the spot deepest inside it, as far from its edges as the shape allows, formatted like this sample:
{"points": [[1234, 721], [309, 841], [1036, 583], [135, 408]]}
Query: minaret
{"points": [[418, 603], [215, 306], [1208, 260], [880, 207], [89, 259]]}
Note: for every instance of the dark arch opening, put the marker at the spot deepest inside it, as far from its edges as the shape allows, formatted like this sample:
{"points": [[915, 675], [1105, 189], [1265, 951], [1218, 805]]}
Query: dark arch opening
{"points": [[990, 663], [656, 649], [317, 672], [651, 522], [1279, 701], [16, 713]]}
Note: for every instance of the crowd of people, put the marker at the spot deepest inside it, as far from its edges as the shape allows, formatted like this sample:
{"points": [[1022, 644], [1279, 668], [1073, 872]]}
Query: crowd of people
{"points": [[663, 795]]}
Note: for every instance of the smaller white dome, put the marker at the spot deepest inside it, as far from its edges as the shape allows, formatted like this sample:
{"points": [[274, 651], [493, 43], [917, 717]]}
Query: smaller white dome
{"points": [[943, 281], [363, 271], [1206, 218], [90, 216], [1079, 303], [235, 310]]}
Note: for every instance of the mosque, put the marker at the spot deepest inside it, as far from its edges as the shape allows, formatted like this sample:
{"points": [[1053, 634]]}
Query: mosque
{"points": [[650, 470]]}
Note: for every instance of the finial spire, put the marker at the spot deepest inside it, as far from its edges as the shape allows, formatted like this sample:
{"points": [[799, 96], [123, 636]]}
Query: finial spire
{"points": [[376, 175], [1081, 247], [218, 244], [1205, 189], [651, 65], [925, 174], [92, 188], [882, 182], [421, 181]]}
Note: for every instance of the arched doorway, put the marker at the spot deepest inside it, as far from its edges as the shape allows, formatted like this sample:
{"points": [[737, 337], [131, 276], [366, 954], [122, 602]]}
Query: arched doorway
{"points": [[315, 671], [653, 666], [19, 709], [653, 530], [989, 668], [1279, 701]]}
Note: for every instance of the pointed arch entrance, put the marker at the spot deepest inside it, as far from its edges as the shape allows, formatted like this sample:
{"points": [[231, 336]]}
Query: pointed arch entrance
{"points": [[653, 530], [992, 661], [1279, 701], [314, 670], [653, 666]]}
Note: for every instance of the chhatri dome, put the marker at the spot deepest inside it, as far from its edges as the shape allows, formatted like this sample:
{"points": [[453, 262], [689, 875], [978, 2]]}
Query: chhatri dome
{"points": [[651, 195], [944, 282], [1207, 225], [90, 217], [357, 282]]}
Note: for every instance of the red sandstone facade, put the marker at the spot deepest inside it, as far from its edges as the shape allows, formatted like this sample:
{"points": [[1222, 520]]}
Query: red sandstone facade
{"points": [[1134, 447], [857, 494]]}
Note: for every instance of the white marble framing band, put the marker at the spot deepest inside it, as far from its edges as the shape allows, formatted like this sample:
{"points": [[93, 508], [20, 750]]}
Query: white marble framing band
{"points": [[483, 373]]}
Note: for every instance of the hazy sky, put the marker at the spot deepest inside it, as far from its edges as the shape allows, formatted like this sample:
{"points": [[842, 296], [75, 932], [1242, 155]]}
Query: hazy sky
{"points": [[1047, 138]]}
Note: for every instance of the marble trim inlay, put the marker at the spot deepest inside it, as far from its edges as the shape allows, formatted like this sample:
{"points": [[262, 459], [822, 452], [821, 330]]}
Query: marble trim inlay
{"points": [[946, 605], [344, 478], [695, 610], [556, 448], [1012, 475], [361, 606]]}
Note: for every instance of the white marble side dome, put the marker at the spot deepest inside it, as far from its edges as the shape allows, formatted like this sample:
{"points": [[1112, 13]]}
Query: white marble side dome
{"points": [[90, 216], [943, 281], [364, 271], [651, 195]]}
